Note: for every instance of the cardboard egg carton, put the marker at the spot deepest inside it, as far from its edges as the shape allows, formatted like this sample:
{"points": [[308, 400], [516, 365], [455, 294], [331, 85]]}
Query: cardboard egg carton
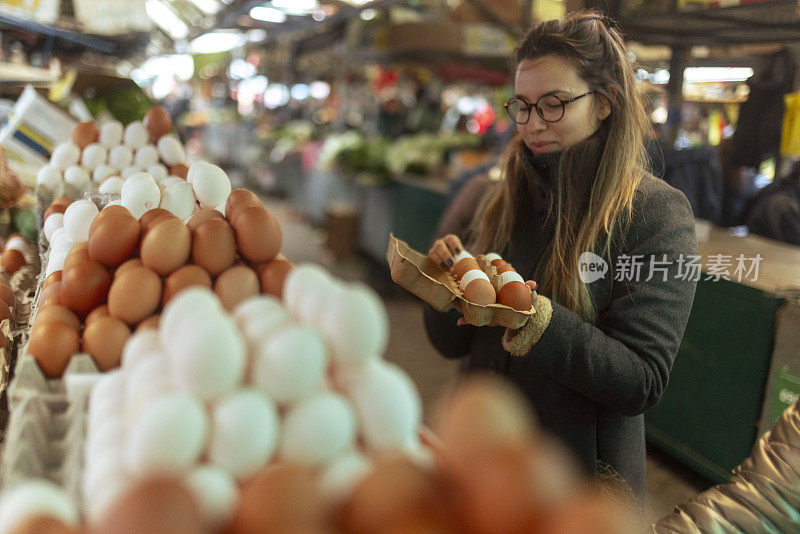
{"points": [[45, 439], [419, 275], [28, 379]]}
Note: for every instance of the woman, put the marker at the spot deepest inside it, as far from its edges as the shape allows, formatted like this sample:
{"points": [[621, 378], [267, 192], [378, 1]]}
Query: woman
{"points": [[597, 355]]}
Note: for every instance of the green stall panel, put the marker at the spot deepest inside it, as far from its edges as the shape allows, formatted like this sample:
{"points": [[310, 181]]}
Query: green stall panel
{"points": [[708, 415], [417, 210]]}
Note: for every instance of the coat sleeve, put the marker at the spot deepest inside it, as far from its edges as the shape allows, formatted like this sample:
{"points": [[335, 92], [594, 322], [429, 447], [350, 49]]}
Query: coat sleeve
{"points": [[450, 340], [623, 362]]}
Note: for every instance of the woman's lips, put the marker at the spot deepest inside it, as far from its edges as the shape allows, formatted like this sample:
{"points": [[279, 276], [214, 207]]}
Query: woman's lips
{"points": [[541, 145]]}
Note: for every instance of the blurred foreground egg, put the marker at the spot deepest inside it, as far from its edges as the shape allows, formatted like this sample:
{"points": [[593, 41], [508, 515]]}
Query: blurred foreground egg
{"points": [[291, 365], [317, 430], [216, 493], [35, 498]]}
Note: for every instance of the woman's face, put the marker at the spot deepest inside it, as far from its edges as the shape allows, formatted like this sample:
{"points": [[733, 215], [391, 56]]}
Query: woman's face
{"points": [[554, 75]]}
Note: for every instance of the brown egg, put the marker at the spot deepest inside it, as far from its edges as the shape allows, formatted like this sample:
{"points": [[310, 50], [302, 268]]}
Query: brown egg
{"points": [[201, 216], [62, 201], [12, 260], [258, 235], [97, 313], [497, 261], [396, 491], [181, 170], [186, 276], [104, 339], [50, 295], [114, 238], [464, 265], [7, 295], [134, 295], [53, 209], [236, 285], [79, 253], [240, 198], [84, 134], [84, 287], [273, 275], [153, 506], [516, 295], [480, 292], [151, 322], [59, 314], [131, 263], [213, 246], [151, 217], [166, 246], [158, 123], [51, 345], [114, 209], [5, 312], [503, 267], [43, 525], [280, 498], [55, 276]]}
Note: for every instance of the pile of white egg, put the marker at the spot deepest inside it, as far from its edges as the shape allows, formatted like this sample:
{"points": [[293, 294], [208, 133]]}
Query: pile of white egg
{"points": [[213, 398]]}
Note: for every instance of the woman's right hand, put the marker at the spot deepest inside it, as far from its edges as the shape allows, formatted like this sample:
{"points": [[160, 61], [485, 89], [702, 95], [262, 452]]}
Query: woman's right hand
{"points": [[444, 250]]}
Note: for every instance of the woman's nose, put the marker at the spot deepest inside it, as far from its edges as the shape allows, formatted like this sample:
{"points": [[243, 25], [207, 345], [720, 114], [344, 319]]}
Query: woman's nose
{"points": [[535, 123]]}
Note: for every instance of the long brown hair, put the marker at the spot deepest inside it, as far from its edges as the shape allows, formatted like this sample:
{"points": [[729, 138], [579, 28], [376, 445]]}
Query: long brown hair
{"points": [[615, 156]]}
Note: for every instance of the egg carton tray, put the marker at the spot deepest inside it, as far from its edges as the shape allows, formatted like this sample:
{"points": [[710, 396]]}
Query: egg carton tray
{"points": [[45, 439], [28, 379], [419, 275]]}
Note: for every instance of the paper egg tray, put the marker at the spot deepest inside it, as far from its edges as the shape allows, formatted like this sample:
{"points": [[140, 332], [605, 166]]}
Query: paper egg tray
{"points": [[45, 439], [418, 274], [28, 379]]}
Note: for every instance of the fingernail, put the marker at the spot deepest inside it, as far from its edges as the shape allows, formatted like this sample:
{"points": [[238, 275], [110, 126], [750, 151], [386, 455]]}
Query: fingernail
{"points": [[458, 251], [450, 262], [443, 265]]}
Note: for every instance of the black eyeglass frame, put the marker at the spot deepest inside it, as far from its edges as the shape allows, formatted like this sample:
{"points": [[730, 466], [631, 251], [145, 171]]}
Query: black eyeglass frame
{"points": [[539, 110]]}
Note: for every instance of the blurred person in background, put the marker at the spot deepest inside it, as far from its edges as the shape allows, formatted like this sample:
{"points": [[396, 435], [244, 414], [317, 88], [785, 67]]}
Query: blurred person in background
{"points": [[597, 354], [775, 211]]}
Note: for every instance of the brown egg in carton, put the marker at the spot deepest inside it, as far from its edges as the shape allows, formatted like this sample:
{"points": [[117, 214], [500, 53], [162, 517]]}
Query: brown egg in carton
{"points": [[419, 275], [28, 378], [45, 439]]}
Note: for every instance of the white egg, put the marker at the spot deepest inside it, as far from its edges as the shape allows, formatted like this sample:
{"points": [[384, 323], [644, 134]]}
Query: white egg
{"points": [[140, 194], [179, 200], [49, 177], [304, 279], [210, 183], [356, 325], [244, 432], [94, 155], [127, 172], [111, 186], [146, 156], [17, 243], [36, 497], [55, 262], [311, 308], [253, 307], [65, 155], [169, 180], [107, 395], [113, 486], [107, 436], [208, 356], [146, 382], [115, 202], [120, 157], [78, 218], [168, 437], [111, 134], [53, 223], [318, 430], [101, 172], [221, 207], [216, 493], [171, 150], [190, 302], [341, 476], [100, 468], [60, 242], [77, 177], [388, 405], [139, 346], [262, 329], [291, 365], [158, 172], [136, 135]]}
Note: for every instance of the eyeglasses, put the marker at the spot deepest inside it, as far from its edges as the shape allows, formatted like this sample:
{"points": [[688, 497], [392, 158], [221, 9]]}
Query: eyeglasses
{"points": [[550, 108]]}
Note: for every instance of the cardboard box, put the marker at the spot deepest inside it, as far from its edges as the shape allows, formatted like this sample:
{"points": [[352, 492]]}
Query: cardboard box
{"points": [[417, 273]]}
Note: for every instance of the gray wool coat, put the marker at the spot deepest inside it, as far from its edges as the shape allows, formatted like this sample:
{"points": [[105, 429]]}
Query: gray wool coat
{"points": [[590, 383]]}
